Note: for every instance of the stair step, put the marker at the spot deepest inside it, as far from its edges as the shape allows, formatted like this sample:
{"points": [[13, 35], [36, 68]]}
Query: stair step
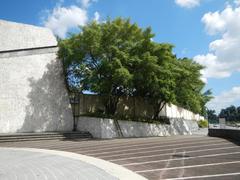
{"points": [[45, 139], [44, 136]]}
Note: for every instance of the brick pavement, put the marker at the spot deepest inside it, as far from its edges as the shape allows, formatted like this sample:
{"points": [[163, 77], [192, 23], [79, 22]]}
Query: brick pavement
{"points": [[176, 157]]}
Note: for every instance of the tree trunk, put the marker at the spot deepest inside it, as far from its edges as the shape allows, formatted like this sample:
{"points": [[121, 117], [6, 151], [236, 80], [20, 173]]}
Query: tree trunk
{"points": [[111, 105], [158, 108]]}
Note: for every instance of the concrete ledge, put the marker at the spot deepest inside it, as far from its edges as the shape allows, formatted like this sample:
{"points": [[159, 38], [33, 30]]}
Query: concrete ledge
{"points": [[225, 133], [106, 128], [27, 52]]}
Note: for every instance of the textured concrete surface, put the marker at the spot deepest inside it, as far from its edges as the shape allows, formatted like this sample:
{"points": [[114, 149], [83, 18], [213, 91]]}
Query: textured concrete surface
{"points": [[22, 36], [22, 164], [105, 128], [28, 163], [175, 157], [173, 111], [33, 96]]}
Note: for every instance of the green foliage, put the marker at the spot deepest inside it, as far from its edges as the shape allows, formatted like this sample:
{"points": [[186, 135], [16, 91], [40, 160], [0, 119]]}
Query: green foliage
{"points": [[190, 86], [231, 113], [119, 58], [203, 123], [212, 117]]}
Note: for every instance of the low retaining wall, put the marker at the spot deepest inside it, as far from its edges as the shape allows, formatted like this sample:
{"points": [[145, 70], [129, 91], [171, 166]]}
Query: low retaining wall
{"points": [[106, 128], [130, 107], [225, 133]]}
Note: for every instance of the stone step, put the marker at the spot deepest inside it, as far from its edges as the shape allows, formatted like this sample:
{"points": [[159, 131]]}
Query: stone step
{"points": [[44, 136]]}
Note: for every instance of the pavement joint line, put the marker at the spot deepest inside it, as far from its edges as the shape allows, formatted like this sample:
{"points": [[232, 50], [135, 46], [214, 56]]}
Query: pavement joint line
{"points": [[158, 143], [115, 145], [157, 150], [113, 169], [144, 141], [157, 155], [182, 158], [142, 144], [157, 146], [188, 167], [166, 165], [182, 171], [206, 176]]}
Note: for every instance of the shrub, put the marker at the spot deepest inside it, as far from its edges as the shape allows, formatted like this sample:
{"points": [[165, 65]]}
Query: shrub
{"points": [[203, 123]]}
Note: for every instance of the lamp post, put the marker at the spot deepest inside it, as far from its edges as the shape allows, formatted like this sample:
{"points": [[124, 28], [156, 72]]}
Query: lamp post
{"points": [[74, 100]]}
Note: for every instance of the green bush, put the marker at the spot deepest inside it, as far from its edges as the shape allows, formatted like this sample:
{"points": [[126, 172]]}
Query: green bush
{"points": [[203, 123]]}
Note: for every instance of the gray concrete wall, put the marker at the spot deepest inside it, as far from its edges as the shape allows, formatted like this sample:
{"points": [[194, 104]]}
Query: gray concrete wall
{"points": [[33, 96], [22, 36], [131, 107], [233, 134], [105, 128], [98, 127]]}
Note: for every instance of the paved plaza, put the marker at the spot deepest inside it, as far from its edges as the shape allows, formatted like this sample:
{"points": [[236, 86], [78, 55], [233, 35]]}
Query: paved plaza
{"points": [[27, 165], [177, 157]]}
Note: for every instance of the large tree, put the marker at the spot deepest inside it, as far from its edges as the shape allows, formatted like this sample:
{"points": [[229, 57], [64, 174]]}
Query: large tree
{"points": [[153, 76], [189, 86], [117, 58], [101, 56]]}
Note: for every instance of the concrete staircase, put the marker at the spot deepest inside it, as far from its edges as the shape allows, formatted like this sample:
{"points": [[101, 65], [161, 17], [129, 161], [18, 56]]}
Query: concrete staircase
{"points": [[78, 135]]}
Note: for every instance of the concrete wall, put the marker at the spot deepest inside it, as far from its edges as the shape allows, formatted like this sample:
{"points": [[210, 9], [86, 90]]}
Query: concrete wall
{"points": [[98, 127], [174, 111], [127, 107], [132, 107], [233, 134], [22, 36], [106, 128], [33, 96]]}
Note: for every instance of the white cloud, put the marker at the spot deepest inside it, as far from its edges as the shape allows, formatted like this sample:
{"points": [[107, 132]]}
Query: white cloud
{"points": [[214, 22], [237, 2], [225, 99], [86, 3], [62, 19], [223, 58], [96, 16], [187, 3]]}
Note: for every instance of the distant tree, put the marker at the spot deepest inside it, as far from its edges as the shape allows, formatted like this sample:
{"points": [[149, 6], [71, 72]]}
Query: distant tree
{"points": [[212, 116], [230, 113], [238, 113], [206, 97]]}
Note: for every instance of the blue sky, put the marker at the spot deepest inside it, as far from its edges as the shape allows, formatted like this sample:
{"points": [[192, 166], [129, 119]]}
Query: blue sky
{"points": [[205, 30]]}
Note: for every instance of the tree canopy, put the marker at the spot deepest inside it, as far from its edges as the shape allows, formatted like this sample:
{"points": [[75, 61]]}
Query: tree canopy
{"points": [[118, 58], [212, 116], [231, 113]]}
